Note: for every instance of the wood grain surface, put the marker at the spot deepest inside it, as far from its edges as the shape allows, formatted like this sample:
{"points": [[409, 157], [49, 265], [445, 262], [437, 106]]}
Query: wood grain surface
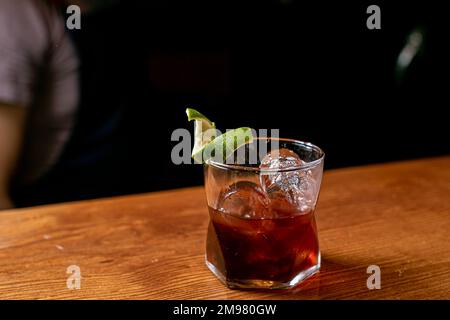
{"points": [[396, 216]]}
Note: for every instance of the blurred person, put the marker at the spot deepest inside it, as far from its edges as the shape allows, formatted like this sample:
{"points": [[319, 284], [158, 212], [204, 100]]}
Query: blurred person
{"points": [[58, 125]]}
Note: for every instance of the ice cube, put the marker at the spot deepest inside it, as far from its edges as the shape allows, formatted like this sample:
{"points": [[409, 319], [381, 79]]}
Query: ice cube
{"points": [[289, 191], [245, 199], [279, 159]]}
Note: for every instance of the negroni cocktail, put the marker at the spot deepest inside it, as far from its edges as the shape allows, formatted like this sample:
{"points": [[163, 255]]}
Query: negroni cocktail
{"points": [[262, 231]]}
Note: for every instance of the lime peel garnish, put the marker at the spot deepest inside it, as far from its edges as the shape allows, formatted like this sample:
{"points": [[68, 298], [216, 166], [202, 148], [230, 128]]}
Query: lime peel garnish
{"points": [[195, 115], [223, 146], [207, 144], [204, 130]]}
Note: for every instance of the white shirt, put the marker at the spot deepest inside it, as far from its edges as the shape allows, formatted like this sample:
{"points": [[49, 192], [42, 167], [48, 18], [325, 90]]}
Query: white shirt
{"points": [[38, 71]]}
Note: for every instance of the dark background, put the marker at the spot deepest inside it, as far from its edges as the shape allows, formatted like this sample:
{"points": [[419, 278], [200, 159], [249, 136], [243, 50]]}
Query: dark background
{"points": [[311, 69]]}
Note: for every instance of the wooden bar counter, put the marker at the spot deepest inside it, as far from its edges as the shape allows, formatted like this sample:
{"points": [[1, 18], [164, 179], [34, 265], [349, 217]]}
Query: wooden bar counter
{"points": [[151, 246]]}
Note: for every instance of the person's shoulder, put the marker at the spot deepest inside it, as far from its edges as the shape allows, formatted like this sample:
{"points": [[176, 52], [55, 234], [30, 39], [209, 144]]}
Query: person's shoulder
{"points": [[26, 23], [31, 35], [25, 10]]}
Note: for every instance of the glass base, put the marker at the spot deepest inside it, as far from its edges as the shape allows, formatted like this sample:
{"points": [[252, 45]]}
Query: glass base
{"points": [[263, 284]]}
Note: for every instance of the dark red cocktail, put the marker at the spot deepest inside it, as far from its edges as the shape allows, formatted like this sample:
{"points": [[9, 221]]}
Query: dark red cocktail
{"points": [[271, 249], [262, 231]]}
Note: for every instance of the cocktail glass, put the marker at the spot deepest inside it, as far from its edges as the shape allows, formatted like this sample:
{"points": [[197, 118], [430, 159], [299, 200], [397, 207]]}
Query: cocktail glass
{"points": [[262, 231]]}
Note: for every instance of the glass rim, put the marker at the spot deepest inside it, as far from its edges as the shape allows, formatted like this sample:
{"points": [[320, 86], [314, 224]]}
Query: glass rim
{"points": [[305, 165]]}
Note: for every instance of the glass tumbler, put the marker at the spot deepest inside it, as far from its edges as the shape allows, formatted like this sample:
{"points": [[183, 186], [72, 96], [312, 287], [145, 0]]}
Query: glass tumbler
{"points": [[262, 231]]}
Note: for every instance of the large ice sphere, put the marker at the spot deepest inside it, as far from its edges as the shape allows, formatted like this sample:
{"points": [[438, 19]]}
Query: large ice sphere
{"points": [[245, 199], [289, 190], [276, 160]]}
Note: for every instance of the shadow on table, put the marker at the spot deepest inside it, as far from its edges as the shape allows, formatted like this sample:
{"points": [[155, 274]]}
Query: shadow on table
{"points": [[337, 278]]}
